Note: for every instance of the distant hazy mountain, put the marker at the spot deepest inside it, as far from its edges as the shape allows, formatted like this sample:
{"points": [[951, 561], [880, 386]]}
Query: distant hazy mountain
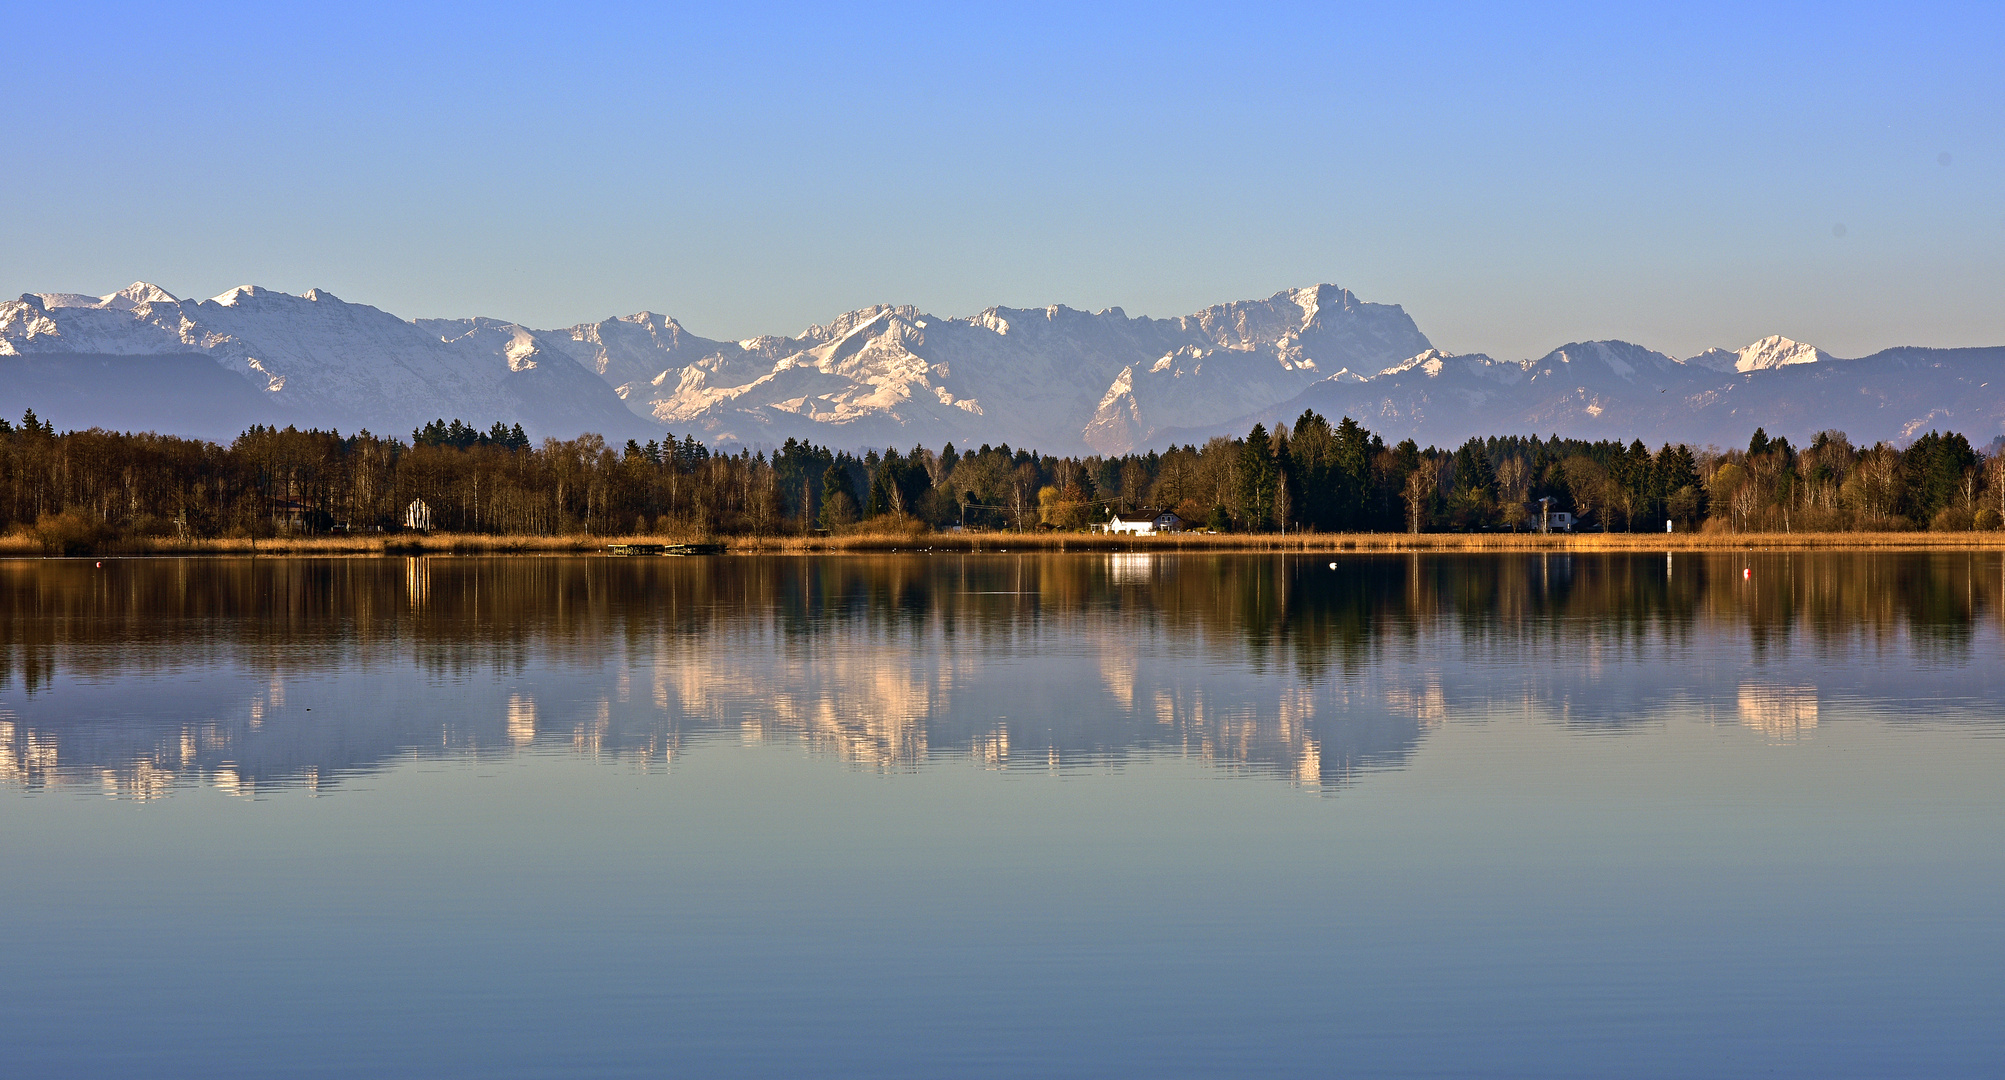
{"points": [[1612, 389], [311, 360], [1053, 378]]}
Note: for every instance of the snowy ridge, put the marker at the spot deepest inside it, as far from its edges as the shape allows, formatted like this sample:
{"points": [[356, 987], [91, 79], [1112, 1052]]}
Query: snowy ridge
{"points": [[1767, 354], [1052, 377], [321, 360], [1056, 378], [1615, 389]]}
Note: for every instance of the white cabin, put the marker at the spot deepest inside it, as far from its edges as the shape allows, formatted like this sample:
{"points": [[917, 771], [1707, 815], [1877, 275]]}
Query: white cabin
{"points": [[1144, 524], [418, 516]]}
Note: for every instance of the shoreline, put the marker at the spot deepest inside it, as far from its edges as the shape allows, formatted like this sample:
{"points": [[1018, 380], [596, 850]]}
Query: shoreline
{"points": [[406, 545]]}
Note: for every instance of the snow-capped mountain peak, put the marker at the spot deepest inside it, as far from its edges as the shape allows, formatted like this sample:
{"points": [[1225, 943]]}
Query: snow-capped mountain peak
{"points": [[238, 295], [1310, 301], [1773, 351], [137, 294], [1777, 351], [140, 293], [50, 300], [1429, 361]]}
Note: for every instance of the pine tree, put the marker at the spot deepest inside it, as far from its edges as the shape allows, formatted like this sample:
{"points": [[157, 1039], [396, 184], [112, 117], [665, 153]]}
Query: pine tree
{"points": [[838, 505], [1258, 479]]}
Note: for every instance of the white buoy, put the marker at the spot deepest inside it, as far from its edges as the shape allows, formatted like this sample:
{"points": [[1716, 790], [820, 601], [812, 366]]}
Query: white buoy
{"points": [[1333, 566]]}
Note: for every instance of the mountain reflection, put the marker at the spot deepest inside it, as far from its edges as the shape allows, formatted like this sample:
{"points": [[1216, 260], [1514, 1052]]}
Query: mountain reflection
{"points": [[145, 675]]}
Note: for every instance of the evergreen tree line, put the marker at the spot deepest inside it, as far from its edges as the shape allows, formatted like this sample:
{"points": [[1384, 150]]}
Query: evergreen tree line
{"points": [[85, 486]]}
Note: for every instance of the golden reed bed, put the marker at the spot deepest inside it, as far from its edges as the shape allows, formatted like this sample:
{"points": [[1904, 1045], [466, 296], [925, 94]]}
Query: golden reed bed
{"points": [[27, 545], [1382, 542]]}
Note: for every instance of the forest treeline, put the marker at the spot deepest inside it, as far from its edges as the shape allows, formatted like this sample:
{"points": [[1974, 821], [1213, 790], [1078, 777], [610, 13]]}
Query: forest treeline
{"points": [[79, 488]]}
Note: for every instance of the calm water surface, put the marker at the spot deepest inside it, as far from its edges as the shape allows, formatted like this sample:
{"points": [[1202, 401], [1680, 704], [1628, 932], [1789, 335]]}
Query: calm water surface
{"points": [[997, 815]]}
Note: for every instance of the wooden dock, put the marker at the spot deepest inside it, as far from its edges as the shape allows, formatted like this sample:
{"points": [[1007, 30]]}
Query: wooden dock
{"points": [[665, 549]]}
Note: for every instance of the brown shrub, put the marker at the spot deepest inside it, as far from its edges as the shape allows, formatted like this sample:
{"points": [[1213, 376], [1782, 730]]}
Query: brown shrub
{"points": [[1952, 519], [71, 532]]}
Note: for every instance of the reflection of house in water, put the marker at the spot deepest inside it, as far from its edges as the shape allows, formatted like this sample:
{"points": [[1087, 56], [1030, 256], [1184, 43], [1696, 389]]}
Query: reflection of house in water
{"points": [[1780, 712], [1131, 567], [417, 581], [521, 720]]}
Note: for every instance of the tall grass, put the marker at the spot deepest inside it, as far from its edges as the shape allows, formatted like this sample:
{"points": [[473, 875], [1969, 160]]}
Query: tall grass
{"points": [[1374, 542], [918, 538]]}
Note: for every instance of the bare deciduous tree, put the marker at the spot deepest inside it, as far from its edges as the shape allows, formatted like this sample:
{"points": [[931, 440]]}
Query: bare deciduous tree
{"points": [[1513, 482], [1420, 485]]}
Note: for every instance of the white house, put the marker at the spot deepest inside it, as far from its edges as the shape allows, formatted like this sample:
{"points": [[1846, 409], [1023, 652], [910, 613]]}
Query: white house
{"points": [[418, 516], [1144, 524]]}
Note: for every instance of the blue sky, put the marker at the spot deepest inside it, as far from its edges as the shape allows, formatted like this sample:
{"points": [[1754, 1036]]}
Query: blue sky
{"points": [[1516, 177]]}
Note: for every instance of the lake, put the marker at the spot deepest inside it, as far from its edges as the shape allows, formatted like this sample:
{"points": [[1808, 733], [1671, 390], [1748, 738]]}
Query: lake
{"points": [[997, 815]]}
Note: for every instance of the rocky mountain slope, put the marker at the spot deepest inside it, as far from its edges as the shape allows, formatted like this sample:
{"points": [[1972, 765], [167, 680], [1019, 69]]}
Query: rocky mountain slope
{"points": [[1061, 380], [1616, 390], [312, 360]]}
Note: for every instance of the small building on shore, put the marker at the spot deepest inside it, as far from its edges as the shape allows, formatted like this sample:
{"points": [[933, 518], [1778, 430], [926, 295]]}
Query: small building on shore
{"points": [[291, 515], [1145, 523], [418, 516]]}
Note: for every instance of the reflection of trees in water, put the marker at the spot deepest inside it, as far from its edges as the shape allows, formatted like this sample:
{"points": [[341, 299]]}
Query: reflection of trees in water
{"points": [[1928, 601], [1283, 665]]}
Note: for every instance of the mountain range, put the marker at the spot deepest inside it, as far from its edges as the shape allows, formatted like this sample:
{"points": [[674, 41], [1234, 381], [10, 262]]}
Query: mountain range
{"points": [[1054, 378]]}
